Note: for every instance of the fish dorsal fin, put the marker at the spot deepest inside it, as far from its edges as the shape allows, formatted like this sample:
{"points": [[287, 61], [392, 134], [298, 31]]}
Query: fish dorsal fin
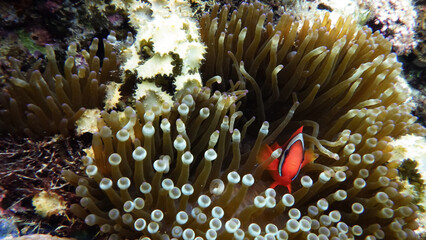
{"points": [[299, 130], [275, 146]]}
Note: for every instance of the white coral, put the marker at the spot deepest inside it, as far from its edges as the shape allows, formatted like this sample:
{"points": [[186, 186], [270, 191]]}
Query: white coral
{"points": [[397, 16], [166, 31], [411, 147]]}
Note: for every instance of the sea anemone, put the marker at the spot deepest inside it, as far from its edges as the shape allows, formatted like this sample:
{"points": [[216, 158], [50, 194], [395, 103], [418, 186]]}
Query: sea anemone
{"points": [[35, 104], [174, 171], [331, 67], [341, 81], [178, 171]]}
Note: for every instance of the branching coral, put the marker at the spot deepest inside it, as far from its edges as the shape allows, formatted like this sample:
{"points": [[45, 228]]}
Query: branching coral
{"points": [[36, 104]]}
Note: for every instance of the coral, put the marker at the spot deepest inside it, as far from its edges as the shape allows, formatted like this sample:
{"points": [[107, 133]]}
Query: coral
{"points": [[397, 21], [35, 40], [420, 51], [408, 171], [411, 150], [35, 104], [28, 168], [166, 49], [310, 10], [54, 22], [47, 204], [87, 122], [40, 36]]}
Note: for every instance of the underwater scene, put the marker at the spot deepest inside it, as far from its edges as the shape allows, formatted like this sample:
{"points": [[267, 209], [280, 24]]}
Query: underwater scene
{"points": [[176, 119]]}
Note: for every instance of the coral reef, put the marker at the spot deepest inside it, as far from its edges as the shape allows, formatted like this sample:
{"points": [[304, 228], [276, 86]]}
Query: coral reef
{"points": [[420, 51], [396, 20], [415, 63], [181, 160]]}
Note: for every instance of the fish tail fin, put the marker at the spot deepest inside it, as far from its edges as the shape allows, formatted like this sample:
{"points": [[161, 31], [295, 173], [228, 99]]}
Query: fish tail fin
{"points": [[309, 156]]}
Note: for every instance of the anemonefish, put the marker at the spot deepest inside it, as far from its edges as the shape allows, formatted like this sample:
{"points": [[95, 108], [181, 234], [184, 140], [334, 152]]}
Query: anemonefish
{"points": [[286, 167]]}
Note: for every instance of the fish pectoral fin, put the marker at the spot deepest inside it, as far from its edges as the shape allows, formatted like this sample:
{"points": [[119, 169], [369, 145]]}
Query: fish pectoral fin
{"points": [[274, 185], [273, 167]]}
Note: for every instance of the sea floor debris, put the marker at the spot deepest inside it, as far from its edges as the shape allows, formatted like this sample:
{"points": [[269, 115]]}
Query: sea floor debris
{"points": [[28, 168]]}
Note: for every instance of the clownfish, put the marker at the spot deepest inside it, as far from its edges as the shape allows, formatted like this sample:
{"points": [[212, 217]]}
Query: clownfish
{"points": [[286, 167]]}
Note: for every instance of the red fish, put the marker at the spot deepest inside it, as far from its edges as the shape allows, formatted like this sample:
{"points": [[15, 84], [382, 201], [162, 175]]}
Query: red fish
{"points": [[285, 168]]}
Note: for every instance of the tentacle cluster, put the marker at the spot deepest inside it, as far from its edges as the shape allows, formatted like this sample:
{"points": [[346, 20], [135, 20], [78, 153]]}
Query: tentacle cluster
{"points": [[331, 68], [35, 104], [174, 171], [179, 172]]}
